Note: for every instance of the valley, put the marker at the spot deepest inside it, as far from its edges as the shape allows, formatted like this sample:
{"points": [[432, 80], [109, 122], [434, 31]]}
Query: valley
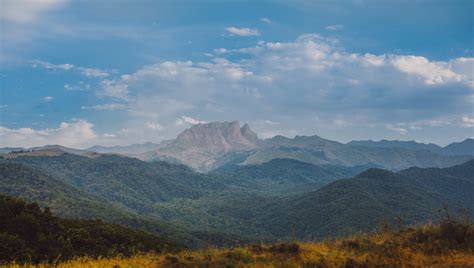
{"points": [[306, 188]]}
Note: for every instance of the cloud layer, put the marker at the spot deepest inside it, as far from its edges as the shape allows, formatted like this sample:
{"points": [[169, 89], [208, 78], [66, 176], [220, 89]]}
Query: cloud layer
{"points": [[311, 76], [79, 133], [25, 11], [311, 85]]}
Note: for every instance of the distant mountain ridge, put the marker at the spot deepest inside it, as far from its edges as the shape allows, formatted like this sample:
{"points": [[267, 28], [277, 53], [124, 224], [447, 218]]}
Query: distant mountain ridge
{"points": [[465, 147], [317, 150], [412, 145], [132, 149], [457, 148], [208, 146]]}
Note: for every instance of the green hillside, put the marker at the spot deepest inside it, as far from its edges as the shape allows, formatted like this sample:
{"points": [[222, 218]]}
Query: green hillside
{"points": [[29, 233], [68, 201], [235, 204], [361, 203], [126, 181], [65, 200], [284, 174]]}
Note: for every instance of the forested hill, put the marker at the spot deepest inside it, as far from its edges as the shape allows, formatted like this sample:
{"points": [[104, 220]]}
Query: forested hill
{"points": [[284, 174], [271, 201], [123, 180], [29, 233], [361, 203]]}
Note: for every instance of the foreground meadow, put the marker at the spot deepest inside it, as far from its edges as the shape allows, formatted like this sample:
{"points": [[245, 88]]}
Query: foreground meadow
{"points": [[450, 243]]}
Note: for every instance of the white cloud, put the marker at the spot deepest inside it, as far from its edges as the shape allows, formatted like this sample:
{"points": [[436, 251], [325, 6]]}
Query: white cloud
{"points": [[51, 66], [79, 133], [108, 106], [68, 87], [405, 127], [107, 135], [48, 98], [188, 120], [25, 11], [154, 126], [269, 122], [341, 122], [375, 60], [91, 72], [335, 27], [467, 121], [220, 50], [415, 128], [80, 86], [400, 130], [266, 20], [114, 89], [464, 67], [88, 72], [242, 31], [75, 134], [432, 72]]}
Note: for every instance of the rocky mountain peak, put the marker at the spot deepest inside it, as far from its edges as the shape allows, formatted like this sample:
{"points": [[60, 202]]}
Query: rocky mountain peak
{"points": [[218, 136], [249, 134]]}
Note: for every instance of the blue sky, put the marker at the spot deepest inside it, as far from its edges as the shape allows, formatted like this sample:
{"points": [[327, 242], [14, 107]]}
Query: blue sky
{"points": [[109, 72]]}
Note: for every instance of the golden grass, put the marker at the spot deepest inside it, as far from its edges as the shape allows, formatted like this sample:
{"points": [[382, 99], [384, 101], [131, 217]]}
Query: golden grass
{"points": [[446, 245], [309, 255], [143, 260]]}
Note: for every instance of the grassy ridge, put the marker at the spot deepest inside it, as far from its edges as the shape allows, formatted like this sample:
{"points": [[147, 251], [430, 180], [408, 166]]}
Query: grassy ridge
{"points": [[450, 243]]}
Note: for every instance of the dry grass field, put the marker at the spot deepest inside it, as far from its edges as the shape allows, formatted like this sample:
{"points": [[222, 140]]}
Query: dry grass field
{"points": [[450, 244]]}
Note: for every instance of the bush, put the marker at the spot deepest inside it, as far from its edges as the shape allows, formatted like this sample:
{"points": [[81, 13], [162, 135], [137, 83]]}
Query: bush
{"points": [[285, 248]]}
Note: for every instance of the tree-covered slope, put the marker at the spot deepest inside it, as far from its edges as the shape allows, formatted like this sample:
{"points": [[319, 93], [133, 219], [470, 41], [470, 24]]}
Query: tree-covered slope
{"points": [[29, 233], [360, 203], [35, 185], [284, 175], [126, 181], [264, 202]]}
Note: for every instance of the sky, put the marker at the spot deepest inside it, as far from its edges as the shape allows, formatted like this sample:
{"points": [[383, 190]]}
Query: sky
{"points": [[116, 72]]}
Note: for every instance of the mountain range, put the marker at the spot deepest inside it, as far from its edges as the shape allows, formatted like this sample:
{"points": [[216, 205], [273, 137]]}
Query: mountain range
{"points": [[130, 150], [465, 147], [237, 202], [205, 147], [219, 183]]}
